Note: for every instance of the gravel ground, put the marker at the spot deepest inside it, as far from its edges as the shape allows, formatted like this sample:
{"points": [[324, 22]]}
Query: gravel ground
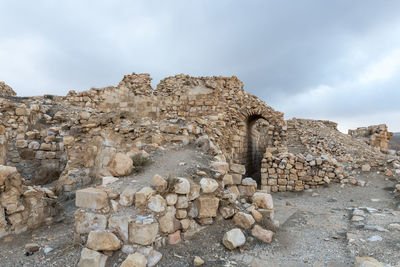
{"points": [[316, 227]]}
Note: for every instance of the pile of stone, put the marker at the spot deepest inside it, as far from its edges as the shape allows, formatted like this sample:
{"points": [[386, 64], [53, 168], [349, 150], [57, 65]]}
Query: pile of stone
{"points": [[24, 207], [375, 135], [140, 84], [6, 90], [170, 210], [284, 171]]}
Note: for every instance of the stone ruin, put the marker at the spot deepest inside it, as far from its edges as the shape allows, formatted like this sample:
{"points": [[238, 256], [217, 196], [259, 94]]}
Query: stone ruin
{"points": [[376, 135], [70, 144]]}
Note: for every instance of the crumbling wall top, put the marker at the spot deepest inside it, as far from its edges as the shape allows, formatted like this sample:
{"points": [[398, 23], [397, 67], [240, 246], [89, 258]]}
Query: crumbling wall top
{"points": [[6, 90], [180, 84]]}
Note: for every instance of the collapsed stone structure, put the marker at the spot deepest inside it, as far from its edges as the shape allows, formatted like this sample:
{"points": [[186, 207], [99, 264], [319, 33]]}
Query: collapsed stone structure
{"points": [[89, 137], [375, 135], [6, 90]]}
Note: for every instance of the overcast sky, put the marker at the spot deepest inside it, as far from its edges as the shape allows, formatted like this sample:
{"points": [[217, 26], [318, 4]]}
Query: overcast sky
{"points": [[336, 60]]}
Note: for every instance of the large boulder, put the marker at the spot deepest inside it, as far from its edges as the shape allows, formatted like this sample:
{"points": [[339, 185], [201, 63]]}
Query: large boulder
{"points": [[120, 165]]}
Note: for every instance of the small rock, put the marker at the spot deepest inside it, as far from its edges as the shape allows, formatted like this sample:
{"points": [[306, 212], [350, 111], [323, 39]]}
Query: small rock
{"points": [[174, 238], [103, 240], [233, 239], [182, 186], [127, 196], [198, 261], [367, 262], [263, 200], [366, 168], [90, 258], [243, 220], [157, 203], [262, 234], [31, 248], [159, 183], [375, 238], [135, 260], [208, 185]]}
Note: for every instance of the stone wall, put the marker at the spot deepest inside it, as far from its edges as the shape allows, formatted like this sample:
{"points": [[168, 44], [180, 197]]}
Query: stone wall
{"points": [[34, 145], [169, 211], [376, 135], [6, 90], [284, 171], [24, 207]]}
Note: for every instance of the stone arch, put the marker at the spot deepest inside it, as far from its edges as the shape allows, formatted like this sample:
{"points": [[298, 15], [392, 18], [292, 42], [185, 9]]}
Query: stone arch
{"points": [[251, 140]]}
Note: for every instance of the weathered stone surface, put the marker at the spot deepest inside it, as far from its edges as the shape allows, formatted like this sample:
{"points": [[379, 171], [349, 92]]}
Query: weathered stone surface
{"points": [[120, 165], [366, 167], [198, 261], [90, 258], [174, 238], [103, 240], [234, 239], [263, 200], [168, 223], [120, 224], [367, 262], [87, 221], [262, 234], [91, 198], [182, 202], [243, 220], [143, 195], [237, 168], [208, 185], [143, 234], [157, 203], [135, 260], [159, 183], [127, 196], [171, 199], [182, 186], [207, 207]]}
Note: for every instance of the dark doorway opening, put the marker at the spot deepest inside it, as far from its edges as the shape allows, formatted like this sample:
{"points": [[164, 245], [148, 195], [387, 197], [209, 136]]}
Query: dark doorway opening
{"points": [[257, 141]]}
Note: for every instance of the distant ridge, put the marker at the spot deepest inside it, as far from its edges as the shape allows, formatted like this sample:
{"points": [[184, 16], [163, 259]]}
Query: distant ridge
{"points": [[396, 134]]}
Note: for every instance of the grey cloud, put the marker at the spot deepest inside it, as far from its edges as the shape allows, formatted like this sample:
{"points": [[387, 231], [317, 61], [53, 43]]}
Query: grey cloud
{"points": [[280, 49]]}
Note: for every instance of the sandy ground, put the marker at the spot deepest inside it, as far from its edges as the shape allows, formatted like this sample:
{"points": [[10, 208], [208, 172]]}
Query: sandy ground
{"points": [[314, 227]]}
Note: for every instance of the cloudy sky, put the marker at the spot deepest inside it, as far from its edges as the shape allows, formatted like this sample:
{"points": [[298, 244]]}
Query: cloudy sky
{"points": [[336, 60]]}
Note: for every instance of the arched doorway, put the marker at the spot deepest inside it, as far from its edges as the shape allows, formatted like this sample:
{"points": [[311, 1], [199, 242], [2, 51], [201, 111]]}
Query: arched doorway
{"points": [[257, 141]]}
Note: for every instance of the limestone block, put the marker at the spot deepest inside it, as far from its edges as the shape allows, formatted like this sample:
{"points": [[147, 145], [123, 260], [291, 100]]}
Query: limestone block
{"points": [[233, 239], [157, 203], [87, 221], [101, 240], [262, 234], [120, 165], [143, 195], [243, 220], [207, 207], [208, 185], [90, 258], [135, 260], [159, 183], [121, 225], [91, 198], [263, 200], [143, 234], [238, 168], [182, 186], [127, 196]]}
